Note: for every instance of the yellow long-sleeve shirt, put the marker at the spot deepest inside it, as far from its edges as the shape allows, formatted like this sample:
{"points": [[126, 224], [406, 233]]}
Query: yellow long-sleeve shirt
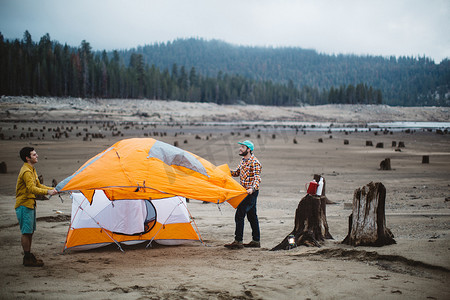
{"points": [[28, 186]]}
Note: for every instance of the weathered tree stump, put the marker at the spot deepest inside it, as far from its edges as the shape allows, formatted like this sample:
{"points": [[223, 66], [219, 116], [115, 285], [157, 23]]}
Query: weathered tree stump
{"points": [[41, 197], [379, 145], [401, 144], [311, 227], [385, 165], [3, 168], [425, 159], [367, 223], [369, 143], [394, 144]]}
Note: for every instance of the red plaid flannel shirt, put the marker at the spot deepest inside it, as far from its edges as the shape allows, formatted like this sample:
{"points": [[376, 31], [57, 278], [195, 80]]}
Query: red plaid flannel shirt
{"points": [[249, 172]]}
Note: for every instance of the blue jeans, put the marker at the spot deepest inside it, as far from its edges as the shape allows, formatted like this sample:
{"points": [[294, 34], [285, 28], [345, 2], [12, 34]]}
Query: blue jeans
{"points": [[247, 207]]}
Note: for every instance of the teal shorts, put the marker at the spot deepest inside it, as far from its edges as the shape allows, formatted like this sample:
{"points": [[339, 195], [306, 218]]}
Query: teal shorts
{"points": [[27, 219]]}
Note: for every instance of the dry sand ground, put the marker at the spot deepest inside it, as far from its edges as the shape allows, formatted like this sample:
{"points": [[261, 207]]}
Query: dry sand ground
{"points": [[417, 267]]}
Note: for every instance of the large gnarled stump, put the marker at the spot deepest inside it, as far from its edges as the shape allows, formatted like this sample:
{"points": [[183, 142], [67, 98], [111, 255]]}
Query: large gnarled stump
{"points": [[311, 225], [367, 223]]}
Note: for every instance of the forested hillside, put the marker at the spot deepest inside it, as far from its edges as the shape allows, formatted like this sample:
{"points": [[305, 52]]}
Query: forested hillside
{"points": [[403, 80], [213, 71]]}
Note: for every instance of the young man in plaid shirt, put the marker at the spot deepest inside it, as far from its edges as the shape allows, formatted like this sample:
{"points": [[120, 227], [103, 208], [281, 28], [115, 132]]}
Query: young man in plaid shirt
{"points": [[249, 171]]}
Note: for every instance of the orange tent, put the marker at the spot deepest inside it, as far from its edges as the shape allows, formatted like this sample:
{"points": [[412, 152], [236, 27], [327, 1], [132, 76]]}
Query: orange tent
{"points": [[148, 170]]}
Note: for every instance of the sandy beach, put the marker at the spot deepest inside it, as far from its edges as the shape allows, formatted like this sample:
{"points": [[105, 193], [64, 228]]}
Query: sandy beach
{"points": [[67, 132]]}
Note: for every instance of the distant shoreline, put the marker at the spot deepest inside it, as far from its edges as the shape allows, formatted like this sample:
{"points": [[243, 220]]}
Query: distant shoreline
{"points": [[162, 112]]}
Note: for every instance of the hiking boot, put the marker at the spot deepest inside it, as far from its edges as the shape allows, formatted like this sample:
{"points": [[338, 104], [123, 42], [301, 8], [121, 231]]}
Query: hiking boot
{"points": [[253, 244], [31, 261], [234, 245]]}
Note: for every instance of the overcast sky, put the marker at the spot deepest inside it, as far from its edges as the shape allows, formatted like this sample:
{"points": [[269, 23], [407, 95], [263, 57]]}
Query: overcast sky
{"points": [[375, 27]]}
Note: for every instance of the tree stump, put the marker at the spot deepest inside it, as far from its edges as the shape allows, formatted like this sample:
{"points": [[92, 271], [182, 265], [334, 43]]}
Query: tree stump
{"points": [[369, 143], [41, 197], [367, 223], [3, 168], [425, 159], [385, 164], [311, 225]]}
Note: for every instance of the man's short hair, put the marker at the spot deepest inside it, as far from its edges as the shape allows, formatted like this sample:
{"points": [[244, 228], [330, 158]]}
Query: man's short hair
{"points": [[26, 152]]}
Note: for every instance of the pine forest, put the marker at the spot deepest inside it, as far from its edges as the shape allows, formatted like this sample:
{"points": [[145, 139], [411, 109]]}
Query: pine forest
{"points": [[213, 71]]}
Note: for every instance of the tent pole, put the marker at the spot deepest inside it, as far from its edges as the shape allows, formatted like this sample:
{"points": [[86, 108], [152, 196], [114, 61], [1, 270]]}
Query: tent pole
{"points": [[98, 224], [106, 232], [162, 225], [196, 228], [71, 220]]}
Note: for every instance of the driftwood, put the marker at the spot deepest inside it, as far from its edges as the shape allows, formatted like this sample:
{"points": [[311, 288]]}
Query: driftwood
{"points": [[311, 227], [367, 223]]}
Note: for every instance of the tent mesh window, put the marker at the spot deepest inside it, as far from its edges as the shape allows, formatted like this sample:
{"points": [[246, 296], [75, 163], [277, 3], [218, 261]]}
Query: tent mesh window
{"points": [[150, 220]]}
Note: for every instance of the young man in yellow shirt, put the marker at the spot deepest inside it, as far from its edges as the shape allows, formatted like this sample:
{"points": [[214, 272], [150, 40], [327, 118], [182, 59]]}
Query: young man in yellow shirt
{"points": [[28, 186]]}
